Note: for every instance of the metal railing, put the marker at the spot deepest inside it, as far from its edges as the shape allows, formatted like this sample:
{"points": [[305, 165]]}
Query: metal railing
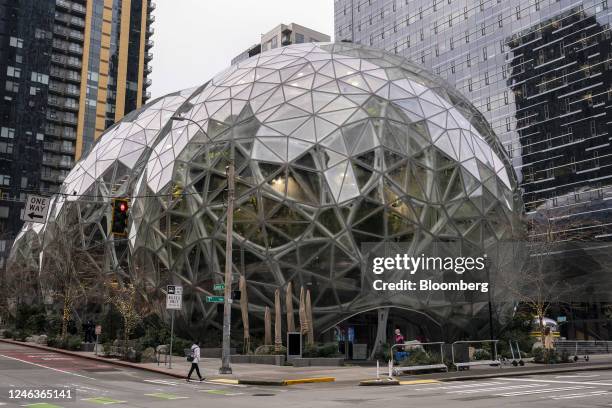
{"points": [[583, 348], [418, 346], [460, 365]]}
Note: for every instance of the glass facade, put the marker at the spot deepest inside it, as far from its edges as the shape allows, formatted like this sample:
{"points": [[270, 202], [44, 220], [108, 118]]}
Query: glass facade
{"points": [[59, 64], [336, 146], [538, 70]]}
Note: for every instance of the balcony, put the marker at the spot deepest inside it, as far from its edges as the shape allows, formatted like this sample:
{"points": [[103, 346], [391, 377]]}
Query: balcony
{"points": [[58, 147], [150, 31], [152, 5], [77, 22], [78, 8], [51, 176], [149, 44], [148, 83], [148, 56], [150, 18], [148, 69], [63, 4]]}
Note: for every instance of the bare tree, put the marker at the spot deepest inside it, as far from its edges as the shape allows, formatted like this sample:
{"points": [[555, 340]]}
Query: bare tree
{"points": [[123, 297], [537, 285]]}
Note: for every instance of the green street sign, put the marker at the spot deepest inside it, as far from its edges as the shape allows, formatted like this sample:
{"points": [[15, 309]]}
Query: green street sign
{"points": [[219, 286], [214, 299]]}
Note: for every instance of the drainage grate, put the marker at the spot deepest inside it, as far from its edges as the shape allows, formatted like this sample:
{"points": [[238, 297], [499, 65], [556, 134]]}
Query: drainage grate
{"points": [[264, 395]]}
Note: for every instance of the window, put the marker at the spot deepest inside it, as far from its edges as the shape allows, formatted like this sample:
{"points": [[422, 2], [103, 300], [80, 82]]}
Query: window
{"points": [[274, 42], [450, 20], [422, 57], [435, 27], [299, 38], [4, 212], [507, 124], [6, 147], [484, 53], [34, 90], [422, 35], [500, 20], [437, 50], [38, 77], [483, 29], [465, 13], [7, 132], [467, 37], [453, 67], [518, 12], [470, 88], [488, 103], [16, 42], [5, 180], [593, 127], [468, 60], [420, 13], [537, 5], [486, 76], [452, 43], [13, 72], [505, 97], [12, 86], [481, 5], [546, 112]]}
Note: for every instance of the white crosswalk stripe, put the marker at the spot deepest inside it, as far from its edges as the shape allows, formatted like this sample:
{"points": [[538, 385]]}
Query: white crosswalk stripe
{"points": [[581, 395], [541, 391], [493, 389], [452, 387]]}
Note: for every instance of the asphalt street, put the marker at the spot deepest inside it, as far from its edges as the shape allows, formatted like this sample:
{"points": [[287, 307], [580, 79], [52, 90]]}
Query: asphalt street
{"points": [[98, 384]]}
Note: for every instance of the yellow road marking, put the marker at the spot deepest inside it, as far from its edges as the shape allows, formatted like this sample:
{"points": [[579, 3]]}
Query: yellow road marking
{"points": [[410, 382]]}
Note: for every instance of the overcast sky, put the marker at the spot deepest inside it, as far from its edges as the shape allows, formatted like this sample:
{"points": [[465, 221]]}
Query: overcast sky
{"points": [[195, 39]]}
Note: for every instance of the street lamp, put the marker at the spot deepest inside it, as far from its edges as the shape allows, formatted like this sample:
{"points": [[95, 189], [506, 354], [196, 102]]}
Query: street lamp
{"points": [[227, 312]]}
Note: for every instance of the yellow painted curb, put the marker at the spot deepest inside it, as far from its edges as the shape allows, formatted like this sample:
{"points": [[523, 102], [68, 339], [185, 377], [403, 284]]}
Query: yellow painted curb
{"points": [[309, 380], [419, 382], [222, 380]]}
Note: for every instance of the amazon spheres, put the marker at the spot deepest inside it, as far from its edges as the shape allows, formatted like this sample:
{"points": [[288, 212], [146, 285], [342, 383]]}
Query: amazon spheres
{"points": [[339, 149]]}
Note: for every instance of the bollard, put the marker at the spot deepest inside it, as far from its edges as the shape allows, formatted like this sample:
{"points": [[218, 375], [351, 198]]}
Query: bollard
{"points": [[377, 370], [391, 368]]}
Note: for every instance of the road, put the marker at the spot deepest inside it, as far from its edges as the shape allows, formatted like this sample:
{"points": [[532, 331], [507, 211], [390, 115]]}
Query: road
{"points": [[103, 384]]}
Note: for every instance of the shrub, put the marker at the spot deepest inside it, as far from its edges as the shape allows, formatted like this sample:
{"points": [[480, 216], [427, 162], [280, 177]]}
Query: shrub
{"points": [[543, 356], [73, 343], [321, 350], [419, 356], [482, 354], [7, 334]]}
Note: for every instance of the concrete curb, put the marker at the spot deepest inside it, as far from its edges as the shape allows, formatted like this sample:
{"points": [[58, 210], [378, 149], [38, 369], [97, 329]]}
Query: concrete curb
{"points": [[383, 382], [246, 381]]}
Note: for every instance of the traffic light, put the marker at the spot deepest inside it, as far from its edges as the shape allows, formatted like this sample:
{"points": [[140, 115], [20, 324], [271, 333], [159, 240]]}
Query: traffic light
{"points": [[120, 216]]}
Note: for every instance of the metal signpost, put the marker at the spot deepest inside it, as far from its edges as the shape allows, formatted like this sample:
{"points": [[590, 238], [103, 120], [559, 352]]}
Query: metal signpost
{"points": [[36, 209], [174, 301], [98, 333]]}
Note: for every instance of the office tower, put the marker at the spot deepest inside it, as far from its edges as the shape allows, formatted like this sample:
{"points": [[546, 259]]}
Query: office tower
{"points": [[68, 70], [281, 36], [539, 71]]}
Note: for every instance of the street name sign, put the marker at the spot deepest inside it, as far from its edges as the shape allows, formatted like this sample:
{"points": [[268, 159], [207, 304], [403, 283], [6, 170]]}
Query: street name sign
{"points": [[219, 286], [36, 209], [174, 297], [214, 299]]}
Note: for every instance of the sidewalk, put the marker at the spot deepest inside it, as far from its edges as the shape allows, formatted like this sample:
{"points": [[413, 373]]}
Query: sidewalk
{"points": [[260, 374]]}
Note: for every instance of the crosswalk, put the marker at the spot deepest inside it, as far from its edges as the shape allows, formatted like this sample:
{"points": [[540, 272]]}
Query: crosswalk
{"points": [[557, 389]]}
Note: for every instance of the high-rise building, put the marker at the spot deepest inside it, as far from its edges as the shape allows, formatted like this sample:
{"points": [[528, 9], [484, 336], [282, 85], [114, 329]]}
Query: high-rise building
{"points": [[280, 36], [539, 70], [68, 70]]}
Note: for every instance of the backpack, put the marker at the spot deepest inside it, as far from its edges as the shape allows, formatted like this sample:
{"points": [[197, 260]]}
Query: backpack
{"points": [[191, 356]]}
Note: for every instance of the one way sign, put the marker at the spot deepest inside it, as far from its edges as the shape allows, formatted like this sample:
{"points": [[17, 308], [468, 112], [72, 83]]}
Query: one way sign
{"points": [[36, 209]]}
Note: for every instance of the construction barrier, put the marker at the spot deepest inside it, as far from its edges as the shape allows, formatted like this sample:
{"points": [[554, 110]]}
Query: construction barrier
{"points": [[463, 357], [431, 359]]}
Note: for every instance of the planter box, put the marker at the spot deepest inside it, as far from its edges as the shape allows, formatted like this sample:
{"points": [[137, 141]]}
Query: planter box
{"points": [[278, 360], [210, 352], [318, 362]]}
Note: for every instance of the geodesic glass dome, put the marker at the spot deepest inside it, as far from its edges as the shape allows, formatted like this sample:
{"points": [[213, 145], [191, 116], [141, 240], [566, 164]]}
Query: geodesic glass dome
{"points": [[335, 145]]}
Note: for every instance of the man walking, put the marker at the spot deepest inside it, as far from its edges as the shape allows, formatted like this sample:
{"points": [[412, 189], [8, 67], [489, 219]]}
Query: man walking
{"points": [[194, 357]]}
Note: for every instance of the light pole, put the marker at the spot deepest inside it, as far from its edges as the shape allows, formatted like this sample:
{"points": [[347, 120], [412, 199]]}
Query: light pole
{"points": [[227, 301]]}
